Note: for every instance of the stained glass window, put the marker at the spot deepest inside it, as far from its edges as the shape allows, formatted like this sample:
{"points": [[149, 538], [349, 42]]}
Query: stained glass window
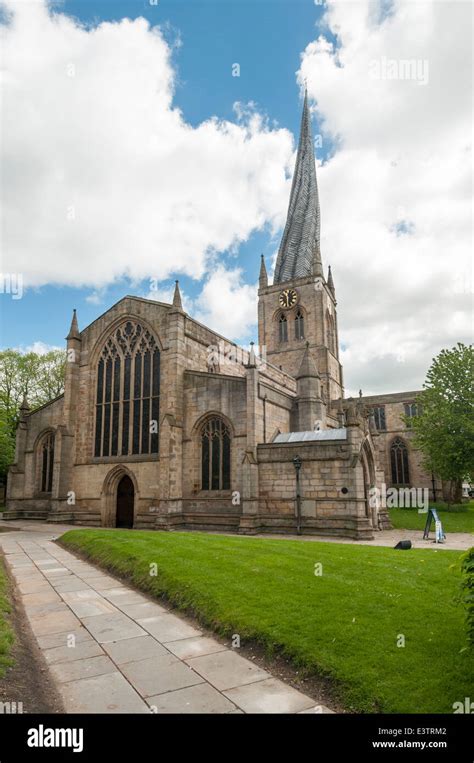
{"points": [[47, 463], [399, 462], [379, 417], [128, 393], [215, 457]]}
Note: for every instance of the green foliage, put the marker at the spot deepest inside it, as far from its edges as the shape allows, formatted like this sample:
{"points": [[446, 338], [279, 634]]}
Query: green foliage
{"points": [[467, 586], [343, 624], [39, 377], [444, 430], [6, 633]]}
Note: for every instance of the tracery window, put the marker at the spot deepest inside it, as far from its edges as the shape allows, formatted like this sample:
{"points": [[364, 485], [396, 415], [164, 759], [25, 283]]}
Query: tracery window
{"points": [[46, 450], [399, 462], [215, 455], [411, 411], [299, 325], [283, 328], [128, 393], [379, 417]]}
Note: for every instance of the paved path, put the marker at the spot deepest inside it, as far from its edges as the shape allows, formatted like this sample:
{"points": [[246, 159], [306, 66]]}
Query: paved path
{"points": [[389, 538], [112, 650]]}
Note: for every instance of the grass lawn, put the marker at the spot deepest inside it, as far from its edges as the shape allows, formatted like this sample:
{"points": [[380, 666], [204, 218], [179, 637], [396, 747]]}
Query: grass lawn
{"points": [[6, 633], [343, 624], [457, 519]]}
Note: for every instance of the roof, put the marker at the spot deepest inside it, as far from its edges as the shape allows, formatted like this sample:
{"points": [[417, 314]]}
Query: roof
{"points": [[300, 243], [316, 435]]}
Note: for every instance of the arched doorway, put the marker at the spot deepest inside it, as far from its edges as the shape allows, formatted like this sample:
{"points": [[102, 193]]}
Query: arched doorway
{"points": [[125, 502]]}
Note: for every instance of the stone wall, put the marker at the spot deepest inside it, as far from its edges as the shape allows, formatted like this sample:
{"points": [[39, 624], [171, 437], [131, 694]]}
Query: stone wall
{"points": [[327, 468], [394, 405]]}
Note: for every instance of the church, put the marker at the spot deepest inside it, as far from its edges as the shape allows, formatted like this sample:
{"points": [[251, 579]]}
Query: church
{"points": [[164, 424]]}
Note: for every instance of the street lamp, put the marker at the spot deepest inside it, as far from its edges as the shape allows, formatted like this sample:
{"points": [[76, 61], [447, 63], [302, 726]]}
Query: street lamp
{"points": [[297, 465]]}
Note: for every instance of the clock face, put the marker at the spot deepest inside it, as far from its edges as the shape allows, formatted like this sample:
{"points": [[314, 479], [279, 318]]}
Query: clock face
{"points": [[288, 298]]}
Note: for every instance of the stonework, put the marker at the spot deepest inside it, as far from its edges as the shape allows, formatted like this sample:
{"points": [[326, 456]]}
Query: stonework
{"points": [[176, 427]]}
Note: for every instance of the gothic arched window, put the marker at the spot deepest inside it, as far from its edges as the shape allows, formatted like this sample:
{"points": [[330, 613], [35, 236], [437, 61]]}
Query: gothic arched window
{"points": [[46, 451], [128, 393], [215, 455], [299, 325], [399, 462], [283, 328]]}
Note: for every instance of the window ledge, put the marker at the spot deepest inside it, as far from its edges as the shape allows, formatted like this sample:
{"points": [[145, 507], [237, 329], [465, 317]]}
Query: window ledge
{"points": [[125, 459]]}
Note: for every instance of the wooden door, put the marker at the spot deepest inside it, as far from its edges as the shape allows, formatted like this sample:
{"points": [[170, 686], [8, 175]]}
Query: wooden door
{"points": [[125, 501]]}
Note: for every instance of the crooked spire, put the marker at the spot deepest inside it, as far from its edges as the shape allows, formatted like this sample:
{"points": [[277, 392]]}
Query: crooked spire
{"points": [[299, 253]]}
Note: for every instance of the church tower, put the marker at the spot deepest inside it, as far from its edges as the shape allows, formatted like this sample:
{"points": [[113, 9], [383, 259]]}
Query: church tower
{"points": [[297, 314]]}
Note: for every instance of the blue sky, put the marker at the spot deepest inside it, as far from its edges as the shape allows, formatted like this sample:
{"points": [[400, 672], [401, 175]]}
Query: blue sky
{"points": [[131, 153], [266, 38]]}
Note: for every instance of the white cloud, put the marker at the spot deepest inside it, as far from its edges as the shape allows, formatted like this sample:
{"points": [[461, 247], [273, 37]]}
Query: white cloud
{"points": [[102, 175], [38, 347], [227, 304], [151, 195], [402, 160], [165, 294]]}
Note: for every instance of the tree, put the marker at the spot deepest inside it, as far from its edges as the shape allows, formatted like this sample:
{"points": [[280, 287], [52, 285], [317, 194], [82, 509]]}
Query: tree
{"points": [[39, 377], [444, 428]]}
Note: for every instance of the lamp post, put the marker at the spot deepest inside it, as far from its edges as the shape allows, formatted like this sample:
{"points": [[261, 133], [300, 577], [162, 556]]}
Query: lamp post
{"points": [[297, 465]]}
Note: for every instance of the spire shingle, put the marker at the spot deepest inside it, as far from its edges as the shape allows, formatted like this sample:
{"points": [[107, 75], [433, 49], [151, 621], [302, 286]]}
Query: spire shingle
{"points": [[299, 253]]}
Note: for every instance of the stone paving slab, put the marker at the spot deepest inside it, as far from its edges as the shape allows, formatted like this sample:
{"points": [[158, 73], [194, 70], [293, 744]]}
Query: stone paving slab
{"points": [[101, 583], [133, 649], [33, 586], [270, 696], [75, 636], [41, 597], [193, 699], [41, 609], [108, 693], [72, 584], [79, 651], [120, 596], [80, 669], [157, 675], [112, 627], [141, 610], [53, 622], [194, 647], [168, 627], [224, 670], [91, 607], [111, 649]]}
